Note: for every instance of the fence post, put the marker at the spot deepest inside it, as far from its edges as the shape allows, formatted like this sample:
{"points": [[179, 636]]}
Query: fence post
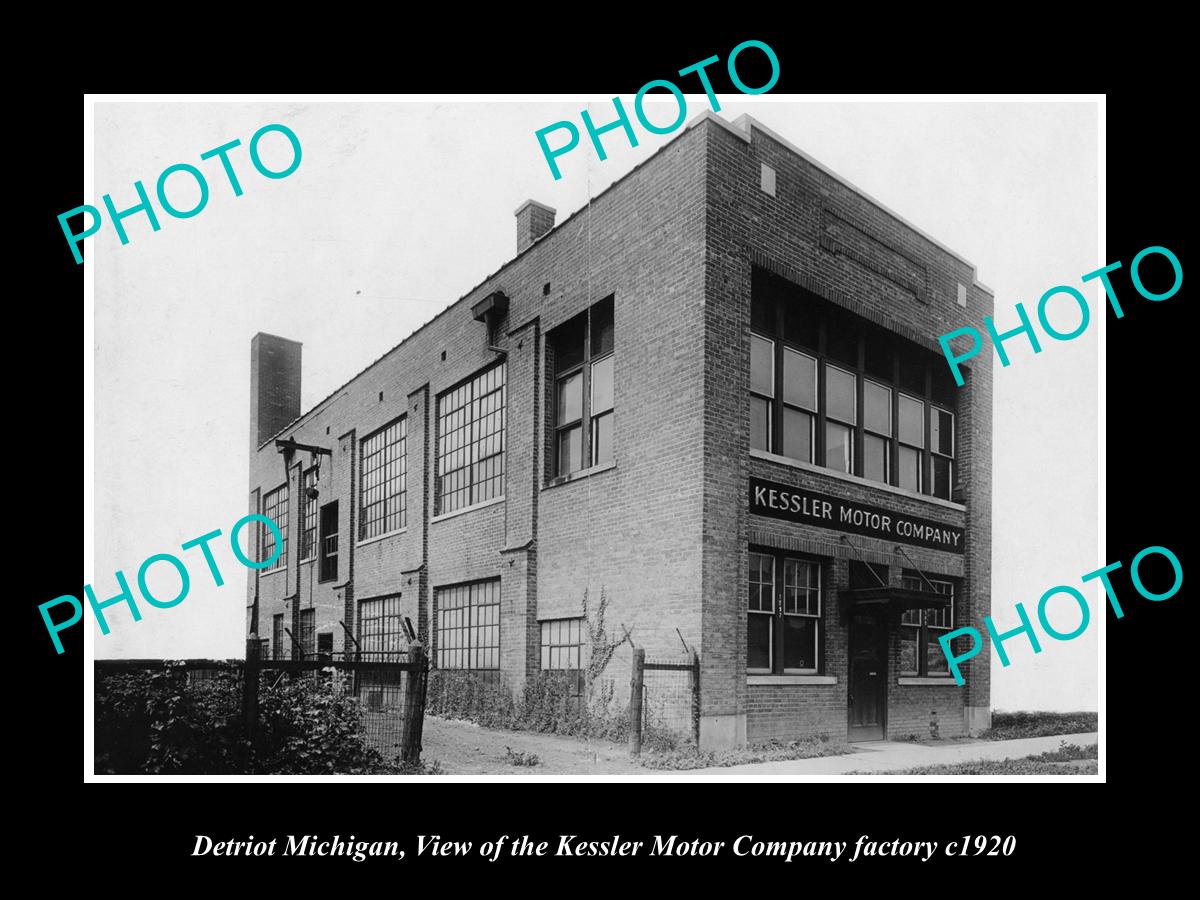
{"points": [[414, 706], [635, 701], [696, 697], [250, 689]]}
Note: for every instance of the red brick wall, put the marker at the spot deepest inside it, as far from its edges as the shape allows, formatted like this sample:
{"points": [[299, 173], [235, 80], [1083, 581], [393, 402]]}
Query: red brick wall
{"points": [[823, 236], [665, 530], [633, 529]]}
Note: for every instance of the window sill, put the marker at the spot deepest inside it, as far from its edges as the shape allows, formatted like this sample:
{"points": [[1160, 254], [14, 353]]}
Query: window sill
{"points": [[467, 509], [305, 562], [381, 537], [578, 476], [275, 571], [791, 679], [926, 680], [855, 479]]}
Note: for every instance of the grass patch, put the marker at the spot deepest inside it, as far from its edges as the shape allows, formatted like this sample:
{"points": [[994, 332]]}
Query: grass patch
{"points": [[1008, 726], [688, 757], [1068, 753], [1027, 766], [1068, 759]]}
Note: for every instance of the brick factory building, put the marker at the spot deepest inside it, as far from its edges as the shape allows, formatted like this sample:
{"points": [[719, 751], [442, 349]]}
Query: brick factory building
{"points": [[715, 392]]}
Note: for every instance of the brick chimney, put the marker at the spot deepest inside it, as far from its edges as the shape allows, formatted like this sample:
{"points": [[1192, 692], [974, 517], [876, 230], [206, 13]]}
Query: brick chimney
{"points": [[274, 385], [533, 220]]}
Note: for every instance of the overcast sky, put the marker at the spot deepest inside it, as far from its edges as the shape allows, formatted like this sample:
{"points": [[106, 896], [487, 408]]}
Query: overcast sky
{"points": [[399, 209]]}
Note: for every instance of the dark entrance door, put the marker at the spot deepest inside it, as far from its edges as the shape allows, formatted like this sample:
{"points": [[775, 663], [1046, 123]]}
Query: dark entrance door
{"points": [[868, 678]]}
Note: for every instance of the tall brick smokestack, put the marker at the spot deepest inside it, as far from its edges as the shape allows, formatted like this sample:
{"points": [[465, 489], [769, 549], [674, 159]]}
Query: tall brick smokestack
{"points": [[274, 385]]}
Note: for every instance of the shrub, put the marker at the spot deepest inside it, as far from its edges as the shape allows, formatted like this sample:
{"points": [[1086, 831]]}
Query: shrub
{"points": [[547, 705], [520, 757], [307, 727], [154, 721], [1068, 753], [1010, 725]]}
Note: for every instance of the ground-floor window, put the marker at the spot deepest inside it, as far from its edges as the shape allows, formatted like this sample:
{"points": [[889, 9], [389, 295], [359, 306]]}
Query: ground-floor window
{"points": [[277, 635], [381, 627], [562, 651], [325, 645], [308, 633], [920, 651], [783, 630], [468, 625], [562, 643]]}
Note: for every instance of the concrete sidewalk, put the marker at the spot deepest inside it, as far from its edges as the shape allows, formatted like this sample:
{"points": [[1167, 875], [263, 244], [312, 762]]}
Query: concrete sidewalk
{"points": [[886, 756]]}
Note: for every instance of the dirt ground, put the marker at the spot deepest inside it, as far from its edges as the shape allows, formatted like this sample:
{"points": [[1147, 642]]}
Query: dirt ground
{"points": [[463, 748]]}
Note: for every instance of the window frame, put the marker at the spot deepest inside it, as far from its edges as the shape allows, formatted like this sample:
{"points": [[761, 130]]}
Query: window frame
{"points": [[770, 326], [307, 638], [567, 636], [564, 429], [277, 634], [926, 632], [935, 454], [589, 420], [308, 521], [893, 428], [757, 395], [900, 442], [548, 643], [473, 440], [280, 509], [854, 427], [388, 503], [445, 651], [784, 405], [608, 412], [390, 638], [777, 651], [328, 561]]}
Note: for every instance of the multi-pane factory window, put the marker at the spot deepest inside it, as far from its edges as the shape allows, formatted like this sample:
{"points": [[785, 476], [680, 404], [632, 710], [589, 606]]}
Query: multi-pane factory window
{"points": [[308, 633], [468, 625], [384, 483], [886, 410], [277, 636], [308, 530], [920, 651], [470, 443], [275, 508], [562, 644], [562, 653], [381, 627]]}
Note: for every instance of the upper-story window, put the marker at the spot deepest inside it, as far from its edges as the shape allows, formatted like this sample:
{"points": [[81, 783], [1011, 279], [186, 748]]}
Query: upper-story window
{"points": [[470, 442], [383, 488], [308, 526], [834, 390], [581, 362], [275, 508]]}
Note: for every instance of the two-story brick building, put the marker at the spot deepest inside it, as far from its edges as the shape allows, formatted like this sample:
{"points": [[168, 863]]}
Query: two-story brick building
{"points": [[714, 391]]}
